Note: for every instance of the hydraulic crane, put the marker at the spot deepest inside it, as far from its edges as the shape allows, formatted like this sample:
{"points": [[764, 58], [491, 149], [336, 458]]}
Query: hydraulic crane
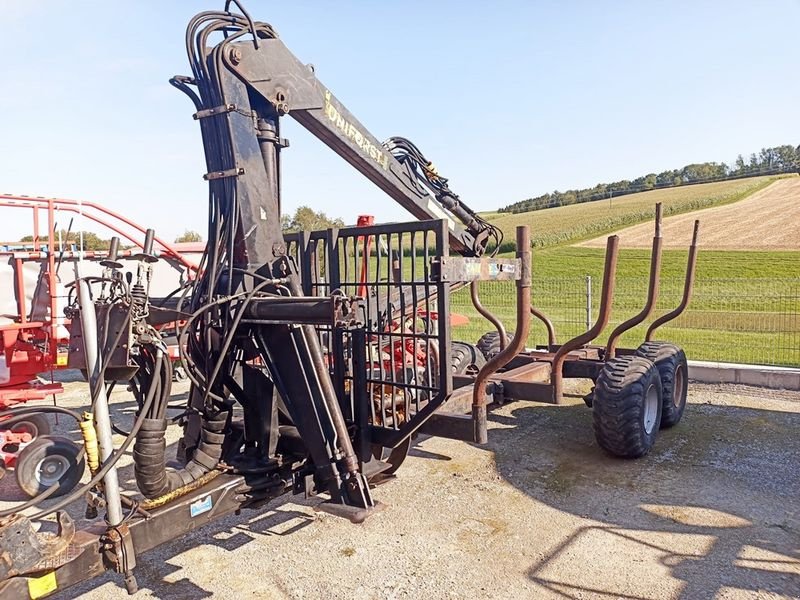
{"points": [[317, 404], [241, 87], [313, 357]]}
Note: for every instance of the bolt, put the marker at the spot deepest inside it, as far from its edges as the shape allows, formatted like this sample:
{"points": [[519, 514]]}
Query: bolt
{"points": [[235, 55]]}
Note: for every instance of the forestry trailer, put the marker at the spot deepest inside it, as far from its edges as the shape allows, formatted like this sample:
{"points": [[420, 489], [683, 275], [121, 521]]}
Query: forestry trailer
{"points": [[314, 357]]}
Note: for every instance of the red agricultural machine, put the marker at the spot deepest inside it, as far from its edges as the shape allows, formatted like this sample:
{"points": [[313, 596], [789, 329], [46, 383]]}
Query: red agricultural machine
{"points": [[37, 278]]}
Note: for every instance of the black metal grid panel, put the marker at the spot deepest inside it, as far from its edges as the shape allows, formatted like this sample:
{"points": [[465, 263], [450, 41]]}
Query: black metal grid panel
{"points": [[407, 349]]}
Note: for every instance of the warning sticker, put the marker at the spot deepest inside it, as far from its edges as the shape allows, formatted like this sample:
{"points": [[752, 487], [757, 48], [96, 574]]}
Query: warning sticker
{"points": [[42, 585]]}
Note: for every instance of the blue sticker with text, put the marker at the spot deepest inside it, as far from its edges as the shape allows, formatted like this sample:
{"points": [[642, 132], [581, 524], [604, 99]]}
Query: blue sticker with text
{"points": [[200, 506]]}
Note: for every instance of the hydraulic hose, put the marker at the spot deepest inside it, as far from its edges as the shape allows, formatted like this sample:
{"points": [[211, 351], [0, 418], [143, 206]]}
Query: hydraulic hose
{"points": [[104, 468], [17, 413], [149, 455]]}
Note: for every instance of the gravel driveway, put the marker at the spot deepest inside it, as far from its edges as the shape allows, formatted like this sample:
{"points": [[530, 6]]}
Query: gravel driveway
{"points": [[541, 512]]}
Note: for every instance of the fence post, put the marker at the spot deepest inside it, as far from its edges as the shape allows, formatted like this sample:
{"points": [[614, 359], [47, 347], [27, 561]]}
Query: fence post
{"points": [[588, 302]]}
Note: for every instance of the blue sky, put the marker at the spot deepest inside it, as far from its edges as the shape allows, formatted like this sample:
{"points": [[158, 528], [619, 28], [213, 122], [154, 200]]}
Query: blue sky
{"points": [[509, 99]]}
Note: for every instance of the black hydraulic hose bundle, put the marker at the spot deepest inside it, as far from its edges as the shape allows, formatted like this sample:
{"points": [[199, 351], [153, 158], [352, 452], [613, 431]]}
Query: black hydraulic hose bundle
{"points": [[152, 476], [213, 287], [149, 452], [407, 153]]}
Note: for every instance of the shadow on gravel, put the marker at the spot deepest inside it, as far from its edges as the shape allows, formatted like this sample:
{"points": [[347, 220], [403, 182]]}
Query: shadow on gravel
{"points": [[714, 506], [155, 573], [726, 480]]}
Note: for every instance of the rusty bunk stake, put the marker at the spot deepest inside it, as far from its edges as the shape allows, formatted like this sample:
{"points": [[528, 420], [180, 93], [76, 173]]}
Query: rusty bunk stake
{"points": [[688, 286], [498, 324], [551, 331], [652, 292], [515, 345], [606, 300]]}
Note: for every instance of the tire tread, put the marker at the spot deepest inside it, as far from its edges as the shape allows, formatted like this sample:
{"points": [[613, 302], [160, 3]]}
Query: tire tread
{"points": [[618, 404]]}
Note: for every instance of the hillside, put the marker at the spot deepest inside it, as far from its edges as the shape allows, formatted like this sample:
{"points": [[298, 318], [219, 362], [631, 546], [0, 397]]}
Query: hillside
{"points": [[577, 222], [766, 220], [770, 161]]}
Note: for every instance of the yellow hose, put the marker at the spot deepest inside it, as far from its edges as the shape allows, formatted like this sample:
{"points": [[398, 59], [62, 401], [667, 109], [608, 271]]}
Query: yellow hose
{"points": [[90, 442], [181, 491]]}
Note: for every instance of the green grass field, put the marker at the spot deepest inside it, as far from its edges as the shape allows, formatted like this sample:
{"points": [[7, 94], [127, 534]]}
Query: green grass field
{"points": [[573, 261], [569, 224], [745, 307]]}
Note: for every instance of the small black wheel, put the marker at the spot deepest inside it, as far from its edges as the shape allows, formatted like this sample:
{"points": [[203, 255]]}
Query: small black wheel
{"points": [[489, 344], [179, 374], [466, 359], [35, 424], [626, 408], [393, 456], [47, 460], [671, 363]]}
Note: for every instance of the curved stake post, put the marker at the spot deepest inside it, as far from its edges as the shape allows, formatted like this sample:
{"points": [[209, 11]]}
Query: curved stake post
{"points": [[498, 324], [515, 345], [606, 300], [688, 286], [551, 331], [652, 292]]}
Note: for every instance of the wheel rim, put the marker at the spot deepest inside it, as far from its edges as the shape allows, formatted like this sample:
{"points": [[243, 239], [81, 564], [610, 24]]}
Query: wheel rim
{"points": [[650, 409], [26, 427], [677, 387], [51, 469]]}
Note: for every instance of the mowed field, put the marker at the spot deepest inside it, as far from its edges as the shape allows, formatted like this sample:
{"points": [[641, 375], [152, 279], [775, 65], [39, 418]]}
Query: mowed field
{"points": [[768, 219], [577, 222], [746, 302]]}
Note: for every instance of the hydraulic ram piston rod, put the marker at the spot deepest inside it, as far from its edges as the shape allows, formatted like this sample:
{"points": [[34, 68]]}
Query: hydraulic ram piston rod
{"points": [[102, 419]]}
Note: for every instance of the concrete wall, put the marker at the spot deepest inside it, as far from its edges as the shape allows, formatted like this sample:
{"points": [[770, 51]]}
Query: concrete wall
{"points": [[776, 378]]}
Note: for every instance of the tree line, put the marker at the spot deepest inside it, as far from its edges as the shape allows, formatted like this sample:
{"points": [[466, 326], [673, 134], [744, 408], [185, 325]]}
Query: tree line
{"points": [[91, 241], [304, 218], [769, 161]]}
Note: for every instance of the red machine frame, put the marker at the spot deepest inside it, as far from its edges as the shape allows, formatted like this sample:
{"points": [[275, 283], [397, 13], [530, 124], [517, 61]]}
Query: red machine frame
{"points": [[31, 347]]}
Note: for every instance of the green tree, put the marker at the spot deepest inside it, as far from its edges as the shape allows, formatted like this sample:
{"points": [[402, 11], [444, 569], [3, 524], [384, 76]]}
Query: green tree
{"points": [[91, 241], [189, 236], [307, 219]]}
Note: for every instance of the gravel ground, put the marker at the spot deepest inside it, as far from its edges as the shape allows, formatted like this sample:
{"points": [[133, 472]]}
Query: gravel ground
{"points": [[541, 512]]}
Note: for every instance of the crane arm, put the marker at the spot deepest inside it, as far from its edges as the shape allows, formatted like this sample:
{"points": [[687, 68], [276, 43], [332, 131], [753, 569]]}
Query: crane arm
{"points": [[269, 70]]}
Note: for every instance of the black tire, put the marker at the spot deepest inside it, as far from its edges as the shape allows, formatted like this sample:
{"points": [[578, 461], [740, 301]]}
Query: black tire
{"points": [[46, 460], [627, 405], [465, 358], [35, 424], [670, 360], [489, 344]]}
